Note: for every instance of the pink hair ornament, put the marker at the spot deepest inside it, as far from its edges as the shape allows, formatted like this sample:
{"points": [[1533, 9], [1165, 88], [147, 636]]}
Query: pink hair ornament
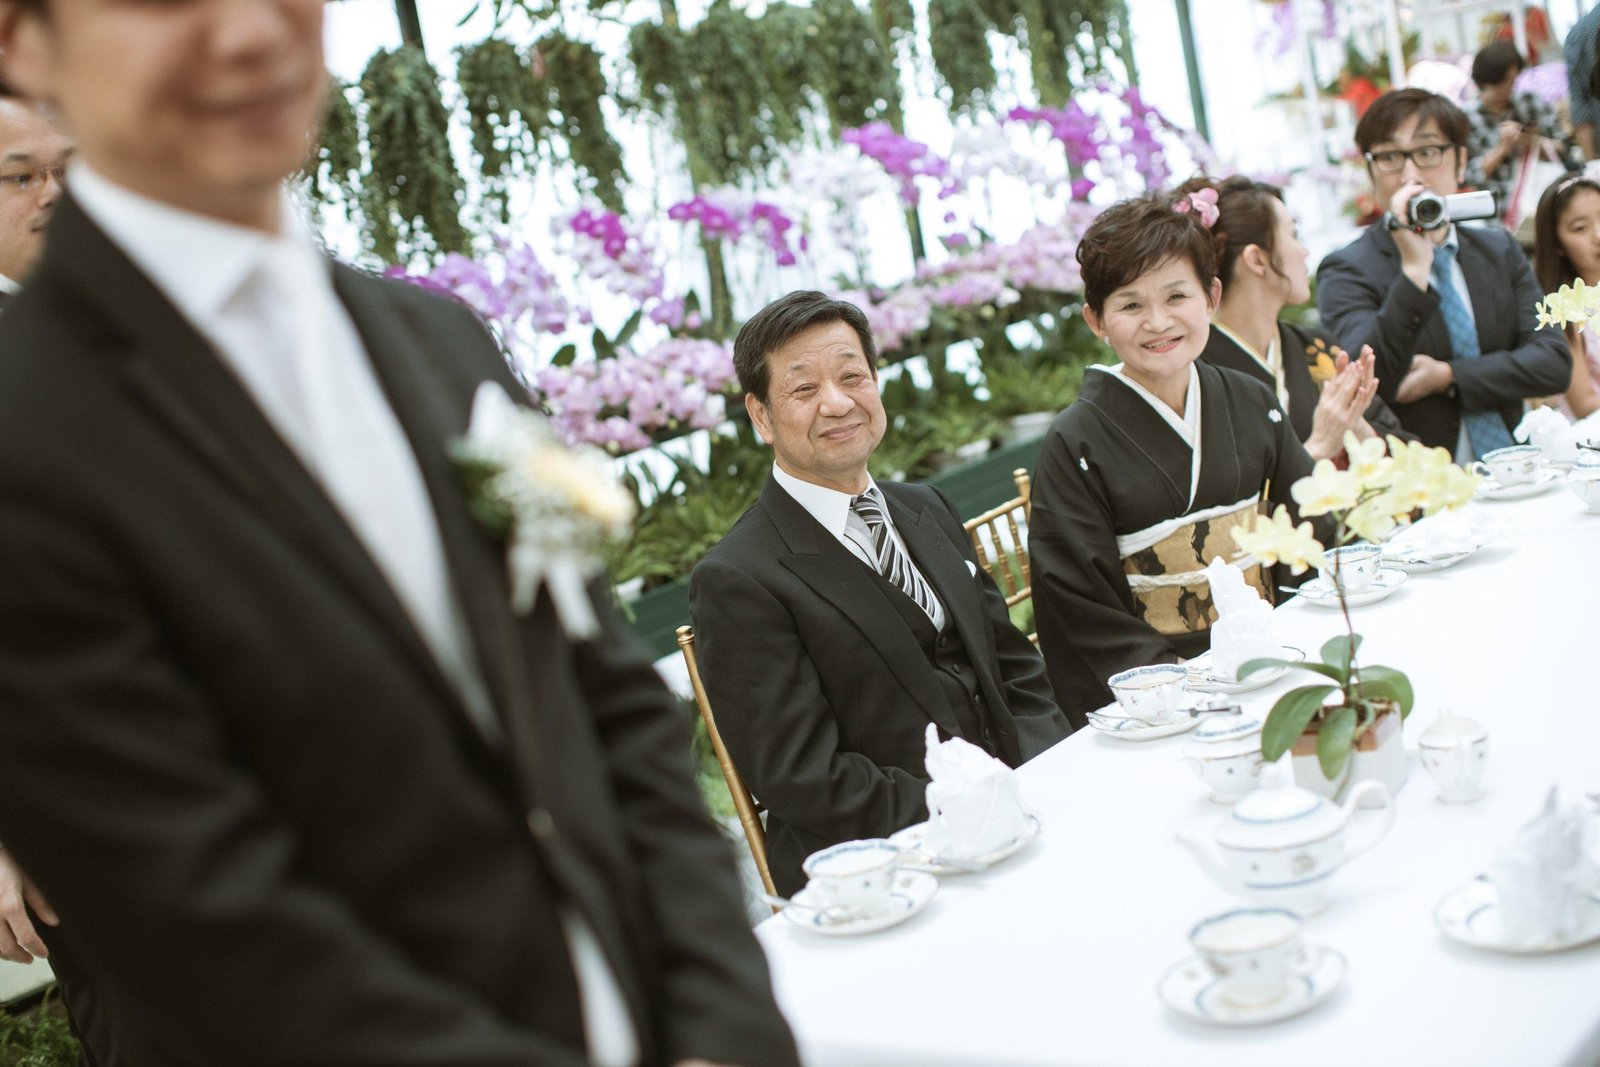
{"points": [[1203, 202]]}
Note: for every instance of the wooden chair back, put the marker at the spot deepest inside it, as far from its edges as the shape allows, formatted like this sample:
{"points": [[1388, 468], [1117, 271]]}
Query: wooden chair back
{"points": [[999, 540], [744, 804]]}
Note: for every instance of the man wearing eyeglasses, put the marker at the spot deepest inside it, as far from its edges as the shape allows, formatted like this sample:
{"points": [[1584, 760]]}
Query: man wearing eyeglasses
{"points": [[1449, 312], [32, 154]]}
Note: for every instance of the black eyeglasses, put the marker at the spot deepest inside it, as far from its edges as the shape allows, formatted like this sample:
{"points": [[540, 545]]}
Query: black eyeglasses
{"points": [[1392, 161]]}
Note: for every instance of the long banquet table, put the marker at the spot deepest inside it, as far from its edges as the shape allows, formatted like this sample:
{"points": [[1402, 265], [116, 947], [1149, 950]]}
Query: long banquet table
{"points": [[1052, 957]]}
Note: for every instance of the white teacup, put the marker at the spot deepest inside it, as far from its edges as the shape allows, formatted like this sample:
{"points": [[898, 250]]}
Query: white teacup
{"points": [[1353, 566], [1151, 694], [1253, 952], [1455, 753], [854, 877], [1511, 466], [1585, 485]]}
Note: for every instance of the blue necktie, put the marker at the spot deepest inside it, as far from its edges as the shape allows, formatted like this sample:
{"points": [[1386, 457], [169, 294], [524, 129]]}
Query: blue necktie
{"points": [[1485, 428]]}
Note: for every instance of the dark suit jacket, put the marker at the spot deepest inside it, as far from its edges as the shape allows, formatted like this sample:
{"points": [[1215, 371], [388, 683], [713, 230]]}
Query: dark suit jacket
{"points": [[823, 694], [231, 764], [1294, 342], [1364, 299]]}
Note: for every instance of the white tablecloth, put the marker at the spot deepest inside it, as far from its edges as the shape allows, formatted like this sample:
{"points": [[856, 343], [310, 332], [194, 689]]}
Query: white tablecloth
{"points": [[1052, 958]]}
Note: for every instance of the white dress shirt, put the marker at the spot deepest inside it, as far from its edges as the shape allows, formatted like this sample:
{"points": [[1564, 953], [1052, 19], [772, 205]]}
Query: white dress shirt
{"points": [[267, 305], [9, 286], [831, 508]]}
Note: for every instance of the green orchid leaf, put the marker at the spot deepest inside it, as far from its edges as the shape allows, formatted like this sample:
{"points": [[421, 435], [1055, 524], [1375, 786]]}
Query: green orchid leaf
{"points": [[1289, 718], [1386, 683], [1334, 741], [1341, 651], [625, 334], [1326, 671]]}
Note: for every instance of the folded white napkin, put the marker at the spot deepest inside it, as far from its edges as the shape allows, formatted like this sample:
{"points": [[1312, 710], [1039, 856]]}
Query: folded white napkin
{"points": [[1441, 535], [1543, 874], [1243, 630], [1550, 430], [974, 803]]}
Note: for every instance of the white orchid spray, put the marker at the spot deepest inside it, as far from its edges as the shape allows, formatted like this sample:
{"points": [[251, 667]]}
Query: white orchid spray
{"points": [[556, 506], [1382, 486]]}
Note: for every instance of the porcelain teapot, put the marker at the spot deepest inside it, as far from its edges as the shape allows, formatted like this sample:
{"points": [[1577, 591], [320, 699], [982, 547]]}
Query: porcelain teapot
{"points": [[1225, 752], [1281, 846]]}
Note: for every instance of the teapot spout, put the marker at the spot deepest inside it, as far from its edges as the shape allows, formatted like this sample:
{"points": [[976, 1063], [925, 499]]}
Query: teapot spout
{"points": [[1207, 857]]}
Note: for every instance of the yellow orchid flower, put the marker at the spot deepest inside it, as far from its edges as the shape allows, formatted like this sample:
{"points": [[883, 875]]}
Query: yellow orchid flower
{"points": [[1325, 489], [1278, 540]]}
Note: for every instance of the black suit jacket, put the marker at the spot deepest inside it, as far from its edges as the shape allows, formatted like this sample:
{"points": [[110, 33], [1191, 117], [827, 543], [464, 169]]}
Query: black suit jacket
{"points": [[823, 694], [1365, 299], [231, 764]]}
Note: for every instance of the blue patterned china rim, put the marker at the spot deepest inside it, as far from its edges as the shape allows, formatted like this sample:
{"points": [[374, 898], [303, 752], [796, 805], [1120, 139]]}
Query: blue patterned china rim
{"points": [[910, 894], [1471, 915], [1189, 988]]}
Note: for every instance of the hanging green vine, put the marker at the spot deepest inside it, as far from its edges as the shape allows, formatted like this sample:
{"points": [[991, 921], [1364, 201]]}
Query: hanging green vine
{"points": [[577, 85], [958, 36], [1067, 41], [856, 80], [508, 111], [412, 196], [737, 85], [333, 171]]}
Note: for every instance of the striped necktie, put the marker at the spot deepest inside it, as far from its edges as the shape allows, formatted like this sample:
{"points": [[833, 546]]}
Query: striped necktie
{"points": [[1485, 428], [894, 563]]}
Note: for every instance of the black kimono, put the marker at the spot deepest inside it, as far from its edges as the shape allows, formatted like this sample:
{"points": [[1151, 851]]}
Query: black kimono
{"points": [[1113, 510], [1308, 361]]}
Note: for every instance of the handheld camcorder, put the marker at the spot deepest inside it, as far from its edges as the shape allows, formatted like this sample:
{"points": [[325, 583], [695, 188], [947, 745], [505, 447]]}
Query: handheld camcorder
{"points": [[1429, 211]]}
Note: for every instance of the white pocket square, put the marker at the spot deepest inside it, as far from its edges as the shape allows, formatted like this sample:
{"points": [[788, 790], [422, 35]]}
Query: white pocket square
{"points": [[972, 568]]}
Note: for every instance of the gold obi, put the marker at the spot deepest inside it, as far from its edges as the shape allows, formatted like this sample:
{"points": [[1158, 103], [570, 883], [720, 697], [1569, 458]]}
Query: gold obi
{"points": [[1168, 579]]}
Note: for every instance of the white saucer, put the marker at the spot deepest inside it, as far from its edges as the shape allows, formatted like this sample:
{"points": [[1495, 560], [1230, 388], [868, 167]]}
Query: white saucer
{"points": [[1110, 720], [1471, 915], [1407, 555], [1187, 989], [911, 839], [911, 892], [1493, 490], [1321, 593], [1203, 681]]}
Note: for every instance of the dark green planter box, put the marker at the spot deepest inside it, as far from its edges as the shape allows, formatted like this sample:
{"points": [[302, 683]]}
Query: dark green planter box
{"points": [[973, 487]]}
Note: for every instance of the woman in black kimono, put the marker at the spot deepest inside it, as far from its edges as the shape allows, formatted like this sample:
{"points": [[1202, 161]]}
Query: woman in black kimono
{"points": [[1263, 269], [1142, 480]]}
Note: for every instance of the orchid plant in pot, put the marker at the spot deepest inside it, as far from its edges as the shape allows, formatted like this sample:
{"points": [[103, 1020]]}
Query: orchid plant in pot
{"points": [[1358, 708]]}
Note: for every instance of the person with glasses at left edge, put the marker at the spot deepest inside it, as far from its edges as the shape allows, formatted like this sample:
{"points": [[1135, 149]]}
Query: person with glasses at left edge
{"points": [[32, 154], [1449, 312]]}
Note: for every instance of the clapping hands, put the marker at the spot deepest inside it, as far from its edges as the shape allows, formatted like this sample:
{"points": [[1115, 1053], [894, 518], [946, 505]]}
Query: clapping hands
{"points": [[1344, 401], [19, 941]]}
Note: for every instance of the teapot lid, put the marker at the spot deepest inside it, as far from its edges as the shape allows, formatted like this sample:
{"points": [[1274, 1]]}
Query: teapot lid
{"points": [[1278, 818], [1215, 728]]}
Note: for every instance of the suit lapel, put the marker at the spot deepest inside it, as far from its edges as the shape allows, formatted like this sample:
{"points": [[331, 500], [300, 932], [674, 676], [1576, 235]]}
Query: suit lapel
{"points": [[176, 374], [837, 576], [945, 568], [433, 412]]}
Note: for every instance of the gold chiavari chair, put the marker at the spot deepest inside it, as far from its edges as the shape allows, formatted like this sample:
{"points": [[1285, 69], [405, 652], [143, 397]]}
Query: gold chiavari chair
{"points": [[998, 538], [748, 809]]}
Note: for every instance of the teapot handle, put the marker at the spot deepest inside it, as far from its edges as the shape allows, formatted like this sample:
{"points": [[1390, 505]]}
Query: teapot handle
{"points": [[1353, 801]]}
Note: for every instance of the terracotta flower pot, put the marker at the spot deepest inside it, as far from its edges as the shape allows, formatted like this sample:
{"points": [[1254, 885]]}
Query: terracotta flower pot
{"points": [[1379, 756]]}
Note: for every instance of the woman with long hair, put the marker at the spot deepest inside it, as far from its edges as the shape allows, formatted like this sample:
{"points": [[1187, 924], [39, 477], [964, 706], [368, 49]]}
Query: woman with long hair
{"points": [[1263, 267], [1566, 245]]}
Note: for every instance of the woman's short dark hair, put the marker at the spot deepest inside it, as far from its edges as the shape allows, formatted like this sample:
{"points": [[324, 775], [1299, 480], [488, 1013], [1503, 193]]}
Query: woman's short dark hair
{"points": [[1245, 217], [1134, 236], [1391, 110], [1550, 263], [1491, 65], [781, 321]]}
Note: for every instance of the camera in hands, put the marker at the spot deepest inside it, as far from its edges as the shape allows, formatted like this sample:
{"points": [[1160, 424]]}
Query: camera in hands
{"points": [[1429, 210]]}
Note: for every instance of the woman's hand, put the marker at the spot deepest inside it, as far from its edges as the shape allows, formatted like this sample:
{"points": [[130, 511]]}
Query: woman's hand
{"points": [[1343, 404]]}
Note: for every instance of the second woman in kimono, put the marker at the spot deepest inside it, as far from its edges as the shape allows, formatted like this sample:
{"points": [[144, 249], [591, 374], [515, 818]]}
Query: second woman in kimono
{"points": [[1142, 480]]}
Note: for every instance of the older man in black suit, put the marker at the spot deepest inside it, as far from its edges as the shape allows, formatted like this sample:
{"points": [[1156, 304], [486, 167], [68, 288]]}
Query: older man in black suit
{"points": [[842, 615], [301, 784], [1449, 312]]}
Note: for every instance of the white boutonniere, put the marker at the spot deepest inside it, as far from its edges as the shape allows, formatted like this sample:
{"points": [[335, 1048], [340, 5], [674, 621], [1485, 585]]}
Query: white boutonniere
{"points": [[555, 506]]}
